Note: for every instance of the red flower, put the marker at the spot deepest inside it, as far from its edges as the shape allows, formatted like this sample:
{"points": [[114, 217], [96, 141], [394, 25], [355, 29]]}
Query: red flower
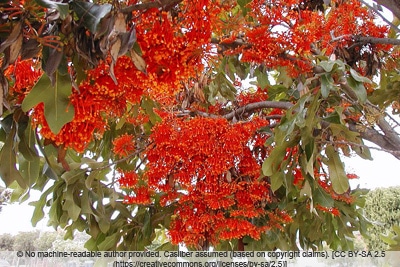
{"points": [[124, 145], [140, 196], [128, 179]]}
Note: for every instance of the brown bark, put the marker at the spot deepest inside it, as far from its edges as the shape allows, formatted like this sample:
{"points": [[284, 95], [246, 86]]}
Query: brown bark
{"points": [[387, 139], [164, 4]]}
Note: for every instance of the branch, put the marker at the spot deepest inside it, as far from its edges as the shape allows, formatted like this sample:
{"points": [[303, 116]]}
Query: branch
{"points": [[393, 152], [377, 138], [392, 5], [394, 27], [238, 42], [365, 39], [258, 105], [164, 4], [389, 132], [375, 40]]}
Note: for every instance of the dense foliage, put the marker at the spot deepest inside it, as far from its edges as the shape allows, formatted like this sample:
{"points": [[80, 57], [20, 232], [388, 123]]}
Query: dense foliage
{"points": [[4, 197], [207, 123], [382, 207]]}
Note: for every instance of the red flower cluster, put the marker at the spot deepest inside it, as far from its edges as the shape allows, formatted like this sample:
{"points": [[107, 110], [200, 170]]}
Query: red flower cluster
{"points": [[209, 169], [98, 96], [22, 76], [124, 145], [286, 34]]}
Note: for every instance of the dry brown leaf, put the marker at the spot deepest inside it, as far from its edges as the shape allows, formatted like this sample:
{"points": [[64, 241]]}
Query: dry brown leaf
{"points": [[114, 41], [139, 62], [114, 52], [228, 176], [1, 92], [62, 153], [198, 93], [14, 35], [15, 48], [128, 39], [120, 23], [171, 180]]}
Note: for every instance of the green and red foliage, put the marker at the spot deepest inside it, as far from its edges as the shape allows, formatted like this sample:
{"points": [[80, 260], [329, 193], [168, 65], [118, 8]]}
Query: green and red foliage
{"points": [[146, 122]]}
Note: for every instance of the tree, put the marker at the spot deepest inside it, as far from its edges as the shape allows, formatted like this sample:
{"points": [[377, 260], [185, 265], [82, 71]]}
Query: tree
{"points": [[46, 240], [26, 241], [6, 242], [137, 121], [4, 197], [382, 207]]}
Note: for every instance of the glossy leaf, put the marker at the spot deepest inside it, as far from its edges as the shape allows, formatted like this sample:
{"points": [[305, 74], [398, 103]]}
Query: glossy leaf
{"points": [[326, 85], [62, 8], [29, 169], [322, 198], [90, 14], [356, 76], [57, 108], [329, 66], [358, 89], [8, 169], [108, 243], [340, 182]]}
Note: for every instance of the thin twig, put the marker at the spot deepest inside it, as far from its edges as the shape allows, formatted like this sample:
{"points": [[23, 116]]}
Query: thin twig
{"points": [[394, 27], [258, 105], [393, 152], [129, 156], [365, 39], [393, 119], [155, 4]]}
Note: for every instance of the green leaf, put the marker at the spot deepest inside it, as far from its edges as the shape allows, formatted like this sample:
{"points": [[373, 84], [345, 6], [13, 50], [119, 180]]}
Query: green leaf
{"points": [[322, 198], [90, 14], [358, 88], [62, 8], [90, 178], [3, 135], [8, 170], [51, 60], [70, 206], [7, 123], [104, 225], [136, 47], [363, 151], [358, 77], [27, 143], [29, 152], [306, 191], [148, 105], [243, 3], [337, 175], [262, 80], [38, 213], [326, 85], [91, 244], [272, 163], [57, 108], [276, 180], [73, 176], [109, 242], [29, 169], [328, 66]]}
